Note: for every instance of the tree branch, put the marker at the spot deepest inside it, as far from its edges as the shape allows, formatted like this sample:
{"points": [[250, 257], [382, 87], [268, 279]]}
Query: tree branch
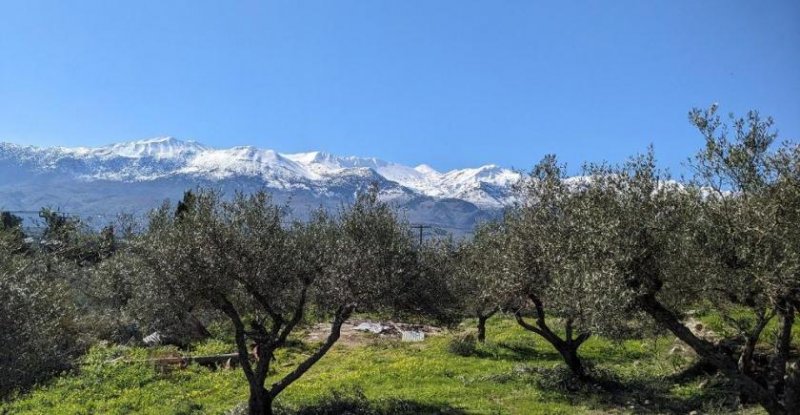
{"points": [[582, 338], [526, 325], [568, 330], [296, 317], [489, 315], [342, 314], [241, 346], [540, 319]]}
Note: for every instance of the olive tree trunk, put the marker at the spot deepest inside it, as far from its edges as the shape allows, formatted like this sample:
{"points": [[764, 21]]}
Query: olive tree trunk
{"points": [[712, 354], [751, 340], [567, 347], [782, 348], [482, 317], [261, 399]]}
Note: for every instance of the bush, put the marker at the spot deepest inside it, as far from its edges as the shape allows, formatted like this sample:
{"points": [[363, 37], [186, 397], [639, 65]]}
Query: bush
{"points": [[561, 379], [353, 402], [38, 334], [340, 402], [464, 345]]}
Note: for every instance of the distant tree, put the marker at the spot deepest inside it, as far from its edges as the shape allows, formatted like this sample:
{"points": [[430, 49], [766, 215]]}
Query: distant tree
{"points": [[482, 265], [427, 289], [115, 308], [377, 243], [102, 278], [185, 204], [11, 231], [238, 258], [9, 221], [70, 239], [57, 224]]}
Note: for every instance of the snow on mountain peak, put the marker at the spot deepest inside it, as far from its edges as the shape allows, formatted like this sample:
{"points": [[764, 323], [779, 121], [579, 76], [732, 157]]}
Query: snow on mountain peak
{"points": [[161, 147], [489, 173], [319, 161], [248, 161], [427, 170], [154, 158], [156, 148]]}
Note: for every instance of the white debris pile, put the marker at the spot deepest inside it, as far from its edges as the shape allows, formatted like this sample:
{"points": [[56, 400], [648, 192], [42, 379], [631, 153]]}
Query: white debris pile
{"points": [[362, 331], [412, 336], [408, 333], [376, 328], [154, 339]]}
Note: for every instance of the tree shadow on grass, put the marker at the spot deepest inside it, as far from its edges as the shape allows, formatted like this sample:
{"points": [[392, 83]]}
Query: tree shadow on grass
{"points": [[642, 394], [353, 402], [515, 352], [614, 355]]}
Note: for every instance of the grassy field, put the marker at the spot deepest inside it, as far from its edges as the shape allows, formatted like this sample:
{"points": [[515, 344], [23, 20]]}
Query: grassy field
{"points": [[514, 373]]}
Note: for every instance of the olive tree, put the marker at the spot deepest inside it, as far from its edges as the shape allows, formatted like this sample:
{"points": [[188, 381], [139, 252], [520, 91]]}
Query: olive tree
{"points": [[749, 233], [549, 264], [38, 336], [11, 232], [239, 257], [71, 239], [664, 245], [406, 280], [120, 304], [428, 291], [480, 270]]}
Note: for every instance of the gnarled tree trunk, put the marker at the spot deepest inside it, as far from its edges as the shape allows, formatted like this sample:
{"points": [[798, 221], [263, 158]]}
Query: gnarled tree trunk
{"points": [[782, 348], [259, 402], [569, 352], [791, 395], [710, 353], [482, 317], [261, 399], [567, 348], [751, 339]]}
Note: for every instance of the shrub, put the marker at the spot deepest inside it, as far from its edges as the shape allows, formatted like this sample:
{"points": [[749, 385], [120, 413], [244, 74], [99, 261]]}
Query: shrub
{"points": [[464, 345], [38, 336]]}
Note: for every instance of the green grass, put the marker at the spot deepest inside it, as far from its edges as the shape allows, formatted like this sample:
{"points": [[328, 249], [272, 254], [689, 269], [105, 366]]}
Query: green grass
{"points": [[514, 373]]}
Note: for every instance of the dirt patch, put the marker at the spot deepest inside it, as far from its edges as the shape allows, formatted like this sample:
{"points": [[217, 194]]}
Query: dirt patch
{"points": [[351, 337], [700, 330]]}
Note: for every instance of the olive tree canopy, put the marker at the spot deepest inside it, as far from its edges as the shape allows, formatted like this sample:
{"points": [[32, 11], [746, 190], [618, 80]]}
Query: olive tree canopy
{"points": [[553, 253], [240, 258]]}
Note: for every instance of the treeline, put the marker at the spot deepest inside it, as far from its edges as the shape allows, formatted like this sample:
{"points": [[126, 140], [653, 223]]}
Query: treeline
{"points": [[619, 251]]}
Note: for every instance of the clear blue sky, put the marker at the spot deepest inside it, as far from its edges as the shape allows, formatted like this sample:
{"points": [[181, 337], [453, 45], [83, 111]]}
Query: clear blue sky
{"points": [[449, 83]]}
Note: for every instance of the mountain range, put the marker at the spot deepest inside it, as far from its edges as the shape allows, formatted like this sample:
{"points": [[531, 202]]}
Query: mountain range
{"points": [[133, 177]]}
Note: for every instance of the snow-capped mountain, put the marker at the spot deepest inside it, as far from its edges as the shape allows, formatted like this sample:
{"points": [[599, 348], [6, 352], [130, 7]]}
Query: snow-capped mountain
{"points": [[135, 176]]}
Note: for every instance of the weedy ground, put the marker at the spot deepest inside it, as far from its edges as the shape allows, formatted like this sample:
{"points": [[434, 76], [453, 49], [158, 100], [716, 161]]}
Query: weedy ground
{"points": [[515, 372]]}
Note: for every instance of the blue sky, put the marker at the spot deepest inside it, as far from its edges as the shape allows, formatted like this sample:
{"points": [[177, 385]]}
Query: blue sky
{"points": [[448, 83]]}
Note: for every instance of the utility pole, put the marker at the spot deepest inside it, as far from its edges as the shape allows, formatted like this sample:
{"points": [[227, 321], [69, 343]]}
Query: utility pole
{"points": [[421, 228]]}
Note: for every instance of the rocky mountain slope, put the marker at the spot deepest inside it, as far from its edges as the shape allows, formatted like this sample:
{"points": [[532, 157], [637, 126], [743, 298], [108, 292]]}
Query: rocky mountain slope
{"points": [[136, 176]]}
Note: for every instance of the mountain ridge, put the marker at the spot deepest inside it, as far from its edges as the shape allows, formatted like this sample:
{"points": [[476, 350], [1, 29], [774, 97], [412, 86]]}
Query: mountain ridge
{"points": [[160, 157], [139, 174]]}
